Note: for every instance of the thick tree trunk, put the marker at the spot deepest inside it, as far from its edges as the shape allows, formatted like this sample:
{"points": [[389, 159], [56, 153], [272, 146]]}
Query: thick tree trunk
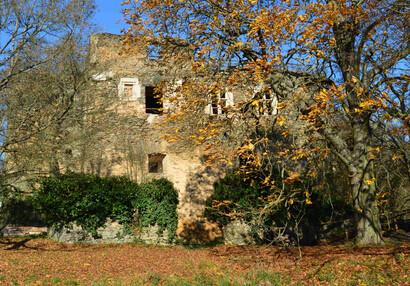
{"points": [[364, 193], [367, 214]]}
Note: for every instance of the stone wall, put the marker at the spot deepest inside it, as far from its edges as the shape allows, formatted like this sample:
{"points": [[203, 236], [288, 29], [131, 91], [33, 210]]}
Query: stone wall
{"points": [[128, 134], [22, 230], [113, 232]]}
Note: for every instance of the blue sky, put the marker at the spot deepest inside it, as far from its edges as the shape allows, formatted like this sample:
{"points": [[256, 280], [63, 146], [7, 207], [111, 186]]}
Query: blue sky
{"points": [[108, 14]]}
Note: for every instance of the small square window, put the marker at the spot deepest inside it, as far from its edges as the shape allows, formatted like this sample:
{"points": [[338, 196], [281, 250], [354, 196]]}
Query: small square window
{"points": [[219, 103], [129, 89], [156, 163]]}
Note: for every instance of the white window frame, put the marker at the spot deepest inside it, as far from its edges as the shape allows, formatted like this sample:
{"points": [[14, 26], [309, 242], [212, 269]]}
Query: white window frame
{"points": [[272, 101], [136, 88], [264, 102], [222, 103]]}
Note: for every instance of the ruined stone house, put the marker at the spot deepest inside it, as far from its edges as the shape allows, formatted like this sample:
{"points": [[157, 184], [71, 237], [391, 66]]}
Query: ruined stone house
{"points": [[125, 140], [136, 148], [132, 146]]}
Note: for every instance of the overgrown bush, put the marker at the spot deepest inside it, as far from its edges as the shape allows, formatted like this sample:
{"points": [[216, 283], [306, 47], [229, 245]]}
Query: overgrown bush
{"points": [[89, 200], [239, 196], [233, 198], [157, 202]]}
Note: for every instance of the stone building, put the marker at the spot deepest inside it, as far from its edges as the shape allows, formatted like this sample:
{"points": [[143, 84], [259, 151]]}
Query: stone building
{"points": [[131, 145]]}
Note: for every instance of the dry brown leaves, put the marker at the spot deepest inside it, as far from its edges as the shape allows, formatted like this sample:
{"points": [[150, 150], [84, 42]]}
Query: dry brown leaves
{"points": [[41, 260]]}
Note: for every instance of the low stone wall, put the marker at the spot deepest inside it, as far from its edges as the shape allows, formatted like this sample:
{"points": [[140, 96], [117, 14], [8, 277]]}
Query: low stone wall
{"points": [[150, 235], [22, 230], [112, 233], [238, 232]]}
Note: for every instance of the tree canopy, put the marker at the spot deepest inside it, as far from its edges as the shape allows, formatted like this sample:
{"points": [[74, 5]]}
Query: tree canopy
{"points": [[338, 68]]}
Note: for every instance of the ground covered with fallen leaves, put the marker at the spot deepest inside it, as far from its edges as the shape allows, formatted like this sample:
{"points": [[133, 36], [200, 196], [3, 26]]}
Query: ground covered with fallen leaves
{"points": [[41, 261]]}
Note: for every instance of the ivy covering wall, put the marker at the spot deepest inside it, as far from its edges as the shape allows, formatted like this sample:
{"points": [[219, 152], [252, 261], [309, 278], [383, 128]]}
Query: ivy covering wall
{"points": [[89, 200]]}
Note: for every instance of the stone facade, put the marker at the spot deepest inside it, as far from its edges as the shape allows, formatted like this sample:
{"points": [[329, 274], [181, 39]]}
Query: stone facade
{"points": [[131, 145]]}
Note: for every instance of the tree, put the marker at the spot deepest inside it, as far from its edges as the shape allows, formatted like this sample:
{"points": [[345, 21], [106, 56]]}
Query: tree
{"points": [[44, 112], [29, 28], [42, 60], [339, 69]]}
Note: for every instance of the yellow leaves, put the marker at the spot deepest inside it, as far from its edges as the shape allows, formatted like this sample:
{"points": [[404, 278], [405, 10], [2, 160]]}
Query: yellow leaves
{"points": [[312, 174], [292, 178], [387, 117], [236, 46], [395, 131], [367, 103], [395, 158], [290, 201], [280, 120], [370, 182], [299, 156], [250, 147], [377, 150], [354, 79], [320, 54], [308, 201], [302, 17], [281, 105]]}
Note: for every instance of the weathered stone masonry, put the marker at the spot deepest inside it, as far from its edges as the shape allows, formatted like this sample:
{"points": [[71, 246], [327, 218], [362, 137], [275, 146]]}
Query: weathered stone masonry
{"points": [[132, 146]]}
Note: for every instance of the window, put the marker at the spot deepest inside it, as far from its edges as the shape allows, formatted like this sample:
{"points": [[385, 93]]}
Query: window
{"points": [[268, 105], [267, 100], [219, 103], [129, 89], [153, 101], [156, 163]]}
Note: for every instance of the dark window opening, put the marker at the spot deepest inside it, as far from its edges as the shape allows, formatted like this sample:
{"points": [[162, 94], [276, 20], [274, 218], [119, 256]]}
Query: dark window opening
{"points": [[155, 163], [153, 102], [268, 101], [214, 103]]}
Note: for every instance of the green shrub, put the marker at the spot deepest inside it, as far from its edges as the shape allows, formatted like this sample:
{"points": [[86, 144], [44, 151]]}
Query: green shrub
{"points": [[17, 208], [157, 204], [239, 196], [89, 200]]}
